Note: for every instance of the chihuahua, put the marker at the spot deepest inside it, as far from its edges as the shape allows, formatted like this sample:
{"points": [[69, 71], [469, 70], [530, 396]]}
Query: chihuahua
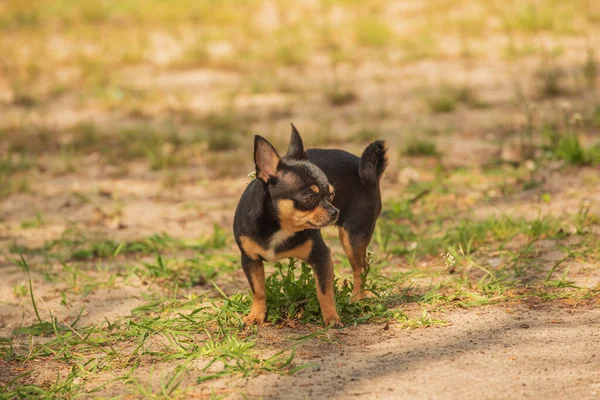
{"points": [[281, 212]]}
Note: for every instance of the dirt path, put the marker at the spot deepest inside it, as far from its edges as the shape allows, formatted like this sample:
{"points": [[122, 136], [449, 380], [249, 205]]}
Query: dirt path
{"points": [[536, 351]]}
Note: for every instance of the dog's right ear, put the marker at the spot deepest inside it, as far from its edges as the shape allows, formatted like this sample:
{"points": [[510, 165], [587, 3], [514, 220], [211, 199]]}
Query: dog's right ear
{"points": [[266, 159], [296, 148]]}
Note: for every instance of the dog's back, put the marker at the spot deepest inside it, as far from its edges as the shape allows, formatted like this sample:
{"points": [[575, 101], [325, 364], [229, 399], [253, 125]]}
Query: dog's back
{"points": [[355, 179]]}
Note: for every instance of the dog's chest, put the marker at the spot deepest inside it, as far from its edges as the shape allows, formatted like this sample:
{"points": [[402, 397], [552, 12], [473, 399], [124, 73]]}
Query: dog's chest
{"points": [[276, 241]]}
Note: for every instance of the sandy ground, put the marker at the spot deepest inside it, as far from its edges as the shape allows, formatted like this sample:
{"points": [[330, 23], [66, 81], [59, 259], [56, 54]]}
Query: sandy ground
{"points": [[503, 352], [508, 351]]}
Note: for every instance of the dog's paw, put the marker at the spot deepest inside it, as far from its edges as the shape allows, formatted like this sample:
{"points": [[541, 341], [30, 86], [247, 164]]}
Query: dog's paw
{"points": [[334, 322], [254, 318]]}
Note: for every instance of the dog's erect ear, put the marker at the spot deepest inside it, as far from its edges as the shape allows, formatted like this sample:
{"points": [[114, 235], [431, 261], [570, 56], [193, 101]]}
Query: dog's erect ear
{"points": [[295, 148], [266, 159]]}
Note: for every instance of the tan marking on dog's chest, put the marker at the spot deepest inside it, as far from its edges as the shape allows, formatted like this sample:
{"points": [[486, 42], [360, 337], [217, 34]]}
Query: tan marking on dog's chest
{"points": [[280, 237], [256, 251]]}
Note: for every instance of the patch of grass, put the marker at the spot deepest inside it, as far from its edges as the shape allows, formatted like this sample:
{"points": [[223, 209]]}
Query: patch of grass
{"points": [[447, 97], [514, 50], [221, 131], [590, 69], [36, 222], [291, 295], [421, 148], [367, 135], [421, 45], [76, 246], [568, 147], [550, 80], [371, 32], [13, 168], [163, 148], [592, 118], [291, 48], [339, 98], [20, 290], [547, 15], [185, 273]]}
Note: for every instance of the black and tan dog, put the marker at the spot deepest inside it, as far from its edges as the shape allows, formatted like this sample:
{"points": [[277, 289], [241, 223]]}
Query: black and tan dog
{"points": [[281, 212]]}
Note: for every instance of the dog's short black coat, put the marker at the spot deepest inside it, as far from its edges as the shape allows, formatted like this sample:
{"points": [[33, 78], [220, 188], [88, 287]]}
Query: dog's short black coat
{"points": [[281, 211]]}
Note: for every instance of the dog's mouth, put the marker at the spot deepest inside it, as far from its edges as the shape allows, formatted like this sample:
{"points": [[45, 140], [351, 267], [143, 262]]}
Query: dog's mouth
{"points": [[315, 226]]}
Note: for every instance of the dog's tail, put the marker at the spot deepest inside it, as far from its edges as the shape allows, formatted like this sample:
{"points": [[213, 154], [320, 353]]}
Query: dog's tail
{"points": [[372, 164]]}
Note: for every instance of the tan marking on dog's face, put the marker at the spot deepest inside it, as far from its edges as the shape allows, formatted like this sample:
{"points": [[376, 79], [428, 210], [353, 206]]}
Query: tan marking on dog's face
{"points": [[331, 193], [294, 220], [315, 189]]}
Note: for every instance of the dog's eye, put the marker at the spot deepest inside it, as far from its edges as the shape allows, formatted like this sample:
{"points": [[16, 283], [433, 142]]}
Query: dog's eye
{"points": [[310, 199]]}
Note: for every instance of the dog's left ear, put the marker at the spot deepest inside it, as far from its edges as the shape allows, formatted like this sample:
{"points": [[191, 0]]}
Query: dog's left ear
{"points": [[295, 148]]}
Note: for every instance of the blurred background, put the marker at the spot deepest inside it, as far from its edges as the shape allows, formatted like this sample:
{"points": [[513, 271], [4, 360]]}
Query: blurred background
{"points": [[126, 140], [138, 116]]}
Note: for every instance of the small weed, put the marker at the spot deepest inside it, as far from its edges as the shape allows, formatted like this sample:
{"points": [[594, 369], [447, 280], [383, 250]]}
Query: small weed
{"points": [[36, 222], [341, 98], [20, 290], [221, 131], [291, 54], [593, 116], [547, 15], [590, 69], [567, 147], [421, 148], [550, 79], [75, 246], [12, 170], [421, 45], [367, 135], [447, 97]]}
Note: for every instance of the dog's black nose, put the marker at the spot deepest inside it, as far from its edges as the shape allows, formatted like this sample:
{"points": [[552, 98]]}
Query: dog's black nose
{"points": [[334, 212]]}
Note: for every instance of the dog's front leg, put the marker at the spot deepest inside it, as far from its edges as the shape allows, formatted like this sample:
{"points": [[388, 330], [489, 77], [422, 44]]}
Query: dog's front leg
{"points": [[320, 261], [255, 272]]}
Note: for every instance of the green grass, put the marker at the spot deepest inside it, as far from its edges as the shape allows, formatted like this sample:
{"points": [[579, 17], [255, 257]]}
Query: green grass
{"points": [[339, 98], [548, 15], [291, 296], [368, 135], [567, 146], [372, 33], [421, 148], [75, 245], [550, 79], [421, 45], [13, 173], [447, 97]]}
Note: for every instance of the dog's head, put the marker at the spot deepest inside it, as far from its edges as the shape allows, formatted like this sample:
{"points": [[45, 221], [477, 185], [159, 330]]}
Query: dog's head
{"points": [[299, 190]]}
